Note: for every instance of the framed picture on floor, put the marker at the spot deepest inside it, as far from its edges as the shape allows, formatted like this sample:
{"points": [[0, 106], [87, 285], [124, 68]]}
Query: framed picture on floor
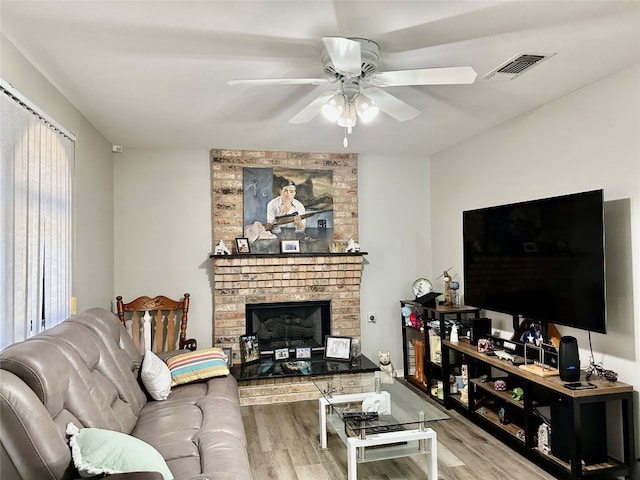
{"points": [[337, 348], [250, 348]]}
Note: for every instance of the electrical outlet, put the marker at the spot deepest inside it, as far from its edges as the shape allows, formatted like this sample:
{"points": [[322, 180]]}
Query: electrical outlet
{"points": [[371, 317]]}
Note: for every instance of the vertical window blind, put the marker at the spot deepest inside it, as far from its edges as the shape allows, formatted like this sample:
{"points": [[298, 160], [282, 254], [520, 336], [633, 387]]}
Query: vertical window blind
{"points": [[36, 193]]}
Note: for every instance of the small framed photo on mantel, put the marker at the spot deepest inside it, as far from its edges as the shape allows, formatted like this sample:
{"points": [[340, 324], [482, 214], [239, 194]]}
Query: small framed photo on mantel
{"points": [[290, 246], [242, 245]]}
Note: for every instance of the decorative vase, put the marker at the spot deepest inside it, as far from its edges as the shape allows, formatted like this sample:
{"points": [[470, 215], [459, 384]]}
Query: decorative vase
{"points": [[418, 348]]}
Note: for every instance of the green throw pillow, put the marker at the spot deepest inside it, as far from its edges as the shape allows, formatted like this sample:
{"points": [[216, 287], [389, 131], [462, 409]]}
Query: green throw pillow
{"points": [[96, 451]]}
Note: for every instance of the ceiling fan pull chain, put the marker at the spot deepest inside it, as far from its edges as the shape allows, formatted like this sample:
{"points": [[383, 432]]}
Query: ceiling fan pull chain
{"points": [[345, 142]]}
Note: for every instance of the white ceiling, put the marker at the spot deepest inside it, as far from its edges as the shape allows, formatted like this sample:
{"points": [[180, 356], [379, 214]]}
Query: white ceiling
{"points": [[154, 73]]}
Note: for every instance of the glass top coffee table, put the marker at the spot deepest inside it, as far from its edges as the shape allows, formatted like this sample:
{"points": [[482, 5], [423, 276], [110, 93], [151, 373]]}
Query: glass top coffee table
{"points": [[379, 422]]}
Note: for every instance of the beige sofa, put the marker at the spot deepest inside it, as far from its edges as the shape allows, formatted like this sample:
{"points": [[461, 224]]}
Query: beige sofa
{"points": [[85, 371]]}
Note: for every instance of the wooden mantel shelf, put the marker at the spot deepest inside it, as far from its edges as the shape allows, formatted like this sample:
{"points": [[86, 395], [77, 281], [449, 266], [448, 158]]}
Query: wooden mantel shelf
{"points": [[288, 255]]}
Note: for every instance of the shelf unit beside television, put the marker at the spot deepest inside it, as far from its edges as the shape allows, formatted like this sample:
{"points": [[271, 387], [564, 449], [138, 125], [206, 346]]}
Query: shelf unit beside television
{"points": [[430, 360], [519, 423]]}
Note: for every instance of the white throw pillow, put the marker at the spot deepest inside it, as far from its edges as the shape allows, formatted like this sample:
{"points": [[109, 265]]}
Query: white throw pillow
{"points": [[156, 376]]}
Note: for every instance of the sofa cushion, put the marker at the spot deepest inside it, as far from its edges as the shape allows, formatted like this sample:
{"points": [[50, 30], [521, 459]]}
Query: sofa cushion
{"points": [[119, 346], [197, 365], [197, 420], [155, 376], [96, 451]]}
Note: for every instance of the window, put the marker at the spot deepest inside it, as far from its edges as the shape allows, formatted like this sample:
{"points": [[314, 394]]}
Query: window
{"points": [[35, 218]]}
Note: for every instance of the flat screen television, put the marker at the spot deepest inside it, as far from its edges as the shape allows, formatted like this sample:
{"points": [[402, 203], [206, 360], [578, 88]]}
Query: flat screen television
{"points": [[542, 260]]}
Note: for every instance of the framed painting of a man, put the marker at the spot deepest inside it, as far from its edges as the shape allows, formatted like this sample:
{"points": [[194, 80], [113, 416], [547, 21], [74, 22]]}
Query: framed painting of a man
{"points": [[288, 204]]}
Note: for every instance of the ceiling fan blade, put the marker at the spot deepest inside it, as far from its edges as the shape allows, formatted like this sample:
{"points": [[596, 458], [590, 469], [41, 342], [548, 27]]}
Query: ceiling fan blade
{"points": [[311, 110], [392, 106], [424, 76], [279, 81], [345, 55]]}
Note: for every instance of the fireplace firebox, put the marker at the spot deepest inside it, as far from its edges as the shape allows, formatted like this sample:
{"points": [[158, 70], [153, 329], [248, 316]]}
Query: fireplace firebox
{"points": [[289, 324]]}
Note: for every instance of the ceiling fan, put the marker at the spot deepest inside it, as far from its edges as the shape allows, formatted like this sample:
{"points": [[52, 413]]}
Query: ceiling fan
{"points": [[352, 65]]}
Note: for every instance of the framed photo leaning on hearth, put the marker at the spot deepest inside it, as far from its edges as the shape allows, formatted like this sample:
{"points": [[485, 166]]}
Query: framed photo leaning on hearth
{"points": [[250, 348], [281, 353], [229, 354], [303, 352], [290, 246], [337, 348]]}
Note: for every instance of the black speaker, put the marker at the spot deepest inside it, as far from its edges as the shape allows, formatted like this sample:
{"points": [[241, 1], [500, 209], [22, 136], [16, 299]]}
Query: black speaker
{"points": [[569, 360], [593, 430], [480, 327]]}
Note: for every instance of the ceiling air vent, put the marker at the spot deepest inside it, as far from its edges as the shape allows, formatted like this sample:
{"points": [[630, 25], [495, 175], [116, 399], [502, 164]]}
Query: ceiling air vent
{"points": [[516, 66]]}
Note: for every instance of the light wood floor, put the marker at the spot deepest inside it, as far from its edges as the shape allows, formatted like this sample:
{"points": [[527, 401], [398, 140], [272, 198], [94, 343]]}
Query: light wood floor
{"points": [[284, 445]]}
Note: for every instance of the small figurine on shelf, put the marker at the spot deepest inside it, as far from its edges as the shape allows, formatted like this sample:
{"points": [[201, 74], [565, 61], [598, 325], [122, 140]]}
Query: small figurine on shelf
{"points": [[455, 299], [517, 394], [221, 249], [447, 288], [544, 437], [352, 246], [533, 335], [388, 373], [502, 416], [464, 391], [411, 318], [454, 333], [406, 314]]}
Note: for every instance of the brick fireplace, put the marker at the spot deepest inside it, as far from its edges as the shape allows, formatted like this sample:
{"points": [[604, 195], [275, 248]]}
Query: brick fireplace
{"points": [[273, 278]]}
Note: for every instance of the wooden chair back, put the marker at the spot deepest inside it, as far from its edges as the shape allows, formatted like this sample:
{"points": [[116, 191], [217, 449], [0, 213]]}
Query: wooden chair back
{"points": [[158, 324]]}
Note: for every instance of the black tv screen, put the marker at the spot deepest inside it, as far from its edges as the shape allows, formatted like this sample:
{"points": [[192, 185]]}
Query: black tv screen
{"points": [[541, 259]]}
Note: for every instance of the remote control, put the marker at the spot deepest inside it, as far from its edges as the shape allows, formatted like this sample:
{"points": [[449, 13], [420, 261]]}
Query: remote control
{"points": [[580, 386], [361, 416]]}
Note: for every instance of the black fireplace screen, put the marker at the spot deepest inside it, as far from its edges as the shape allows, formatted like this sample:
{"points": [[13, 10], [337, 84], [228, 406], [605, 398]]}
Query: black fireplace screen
{"points": [[289, 324]]}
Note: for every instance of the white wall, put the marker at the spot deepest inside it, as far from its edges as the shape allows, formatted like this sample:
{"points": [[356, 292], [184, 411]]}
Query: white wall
{"points": [[93, 249], [163, 210], [163, 230], [394, 207], [586, 140]]}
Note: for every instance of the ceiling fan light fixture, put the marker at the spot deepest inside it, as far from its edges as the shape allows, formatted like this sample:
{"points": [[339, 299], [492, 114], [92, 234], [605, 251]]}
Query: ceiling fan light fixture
{"points": [[348, 117], [366, 108], [334, 108], [351, 65]]}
